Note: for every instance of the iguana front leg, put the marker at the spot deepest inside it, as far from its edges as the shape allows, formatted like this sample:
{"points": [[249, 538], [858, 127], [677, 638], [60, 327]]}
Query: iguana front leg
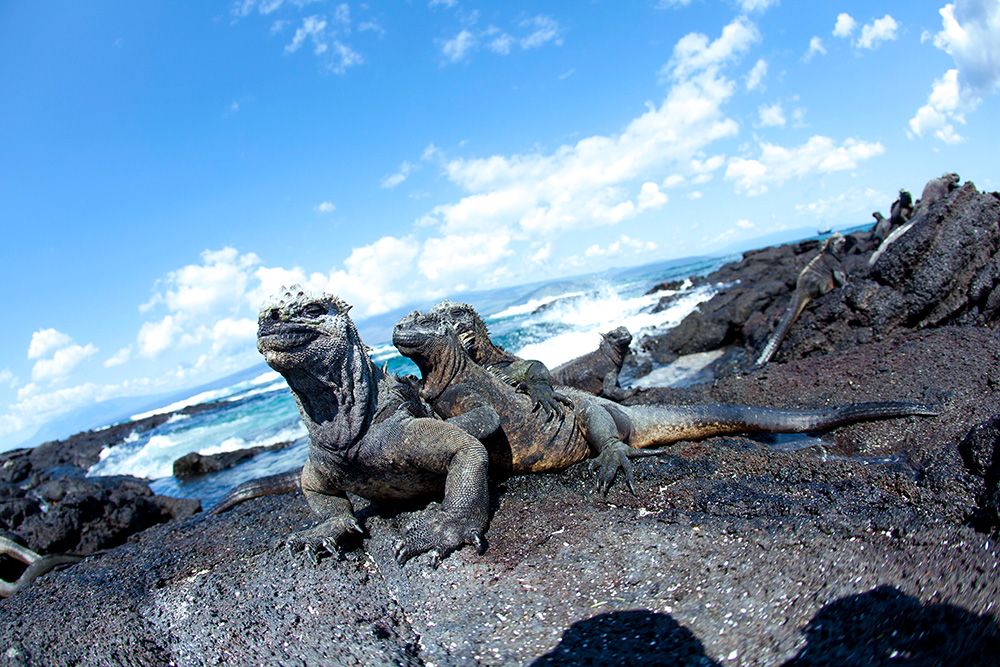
{"points": [[533, 378], [461, 517], [335, 513], [601, 433]]}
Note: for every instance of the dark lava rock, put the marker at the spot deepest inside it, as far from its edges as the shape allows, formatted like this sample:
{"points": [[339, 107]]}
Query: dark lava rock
{"points": [[83, 515], [195, 464], [944, 270], [856, 548]]}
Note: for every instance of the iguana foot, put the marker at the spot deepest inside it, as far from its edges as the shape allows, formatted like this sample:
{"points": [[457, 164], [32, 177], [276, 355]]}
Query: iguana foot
{"points": [[440, 532], [324, 537], [613, 456]]}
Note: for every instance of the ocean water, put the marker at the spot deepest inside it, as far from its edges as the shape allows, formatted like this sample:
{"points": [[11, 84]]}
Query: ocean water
{"points": [[553, 322]]}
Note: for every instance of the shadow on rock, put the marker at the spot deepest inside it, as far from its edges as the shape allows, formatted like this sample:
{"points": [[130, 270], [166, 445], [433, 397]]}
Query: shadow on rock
{"points": [[887, 627], [627, 637]]}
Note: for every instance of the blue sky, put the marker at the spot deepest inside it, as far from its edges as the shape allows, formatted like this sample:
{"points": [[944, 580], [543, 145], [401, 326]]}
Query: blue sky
{"points": [[166, 165]]}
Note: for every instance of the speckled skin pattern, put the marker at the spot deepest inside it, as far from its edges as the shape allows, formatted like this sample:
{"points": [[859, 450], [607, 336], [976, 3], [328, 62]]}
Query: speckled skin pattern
{"points": [[369, 434], [521, 440]]}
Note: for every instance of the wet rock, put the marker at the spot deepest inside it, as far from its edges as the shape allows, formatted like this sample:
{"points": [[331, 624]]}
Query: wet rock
{"points": [[195, 464]]}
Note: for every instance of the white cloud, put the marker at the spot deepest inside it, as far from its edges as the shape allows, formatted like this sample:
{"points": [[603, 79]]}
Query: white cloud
{"points": [[672, 4], [157, 337], [543, 29], [943, 108], [404, 172], [625, 244], [845, 25], [771, 115], [756, 76], [853, 202], [459, 258], [815, 47], [120, 357], [45, 341], [7, 378], [745, 224], [970, 34], [443, 3], [876, 32], [370, 278], [459, 47], [313, 27], [694, 52], [502, 43], [756, 5], [650, 197], [777, 164], [325, 207], [63, 362]]}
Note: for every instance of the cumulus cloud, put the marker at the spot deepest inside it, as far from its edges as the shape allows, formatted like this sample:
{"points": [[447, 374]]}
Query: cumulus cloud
{"points": [[7, 378], [876, 32], [771, 115], [776, 164], [45, 341], [63, 362], [325, 207], [844, 26], [854, 202], [969, 35], [118, 358], [756, 76], [943, 109]]}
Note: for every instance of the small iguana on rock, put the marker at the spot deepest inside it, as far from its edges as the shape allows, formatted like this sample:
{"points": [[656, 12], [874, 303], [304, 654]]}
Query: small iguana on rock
{"points": [[597, 372], [935, 189], [530, 376], [819, 276], [520, 441], [369, 434]]}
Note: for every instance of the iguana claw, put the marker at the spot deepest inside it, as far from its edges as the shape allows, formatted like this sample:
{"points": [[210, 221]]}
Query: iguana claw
{"points": [[613, 457], [439, 532]]}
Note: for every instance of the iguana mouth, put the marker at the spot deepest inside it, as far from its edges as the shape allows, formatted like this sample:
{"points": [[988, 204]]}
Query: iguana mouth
{"points": [[287, 339], [468, 340]]}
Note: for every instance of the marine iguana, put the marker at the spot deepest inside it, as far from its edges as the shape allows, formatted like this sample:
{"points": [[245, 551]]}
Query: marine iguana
{"points": [[37, 565], [528, 375], [597, 372], [520, 441], [819, 276], [933, 191], [369, 434]]}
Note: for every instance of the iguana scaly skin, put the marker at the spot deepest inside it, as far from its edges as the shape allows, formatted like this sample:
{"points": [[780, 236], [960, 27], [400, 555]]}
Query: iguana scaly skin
{"points": [[818, 277], [369, 434], [597, 372], [528, 375], [467, 395]]}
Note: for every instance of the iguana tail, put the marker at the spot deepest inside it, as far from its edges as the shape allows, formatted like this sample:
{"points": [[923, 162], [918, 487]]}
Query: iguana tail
{"points": [[792, 312], [661, 425], [284, 482]]}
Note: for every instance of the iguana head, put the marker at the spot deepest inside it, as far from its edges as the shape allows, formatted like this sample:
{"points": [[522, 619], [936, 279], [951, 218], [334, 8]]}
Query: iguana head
{"points": [[425, 338], [312, 342], [618, 340], [471, 329], [296, 329]]}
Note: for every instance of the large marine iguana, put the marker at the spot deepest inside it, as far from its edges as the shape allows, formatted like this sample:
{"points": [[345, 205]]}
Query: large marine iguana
{"points": [[521, 441], [369, 434], [528, 375], [819, 276], [597, 372]]}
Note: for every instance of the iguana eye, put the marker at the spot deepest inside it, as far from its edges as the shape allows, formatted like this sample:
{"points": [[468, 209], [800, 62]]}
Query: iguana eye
{"points": [[456, 312], [314, 310], [426, 322]]}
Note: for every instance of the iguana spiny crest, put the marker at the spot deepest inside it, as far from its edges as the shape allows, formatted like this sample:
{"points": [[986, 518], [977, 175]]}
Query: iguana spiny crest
{"points": [[471, 330]]}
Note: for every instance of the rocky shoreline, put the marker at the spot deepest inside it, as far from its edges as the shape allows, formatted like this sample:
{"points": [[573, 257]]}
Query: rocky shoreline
{"points": [[875, 544]]}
